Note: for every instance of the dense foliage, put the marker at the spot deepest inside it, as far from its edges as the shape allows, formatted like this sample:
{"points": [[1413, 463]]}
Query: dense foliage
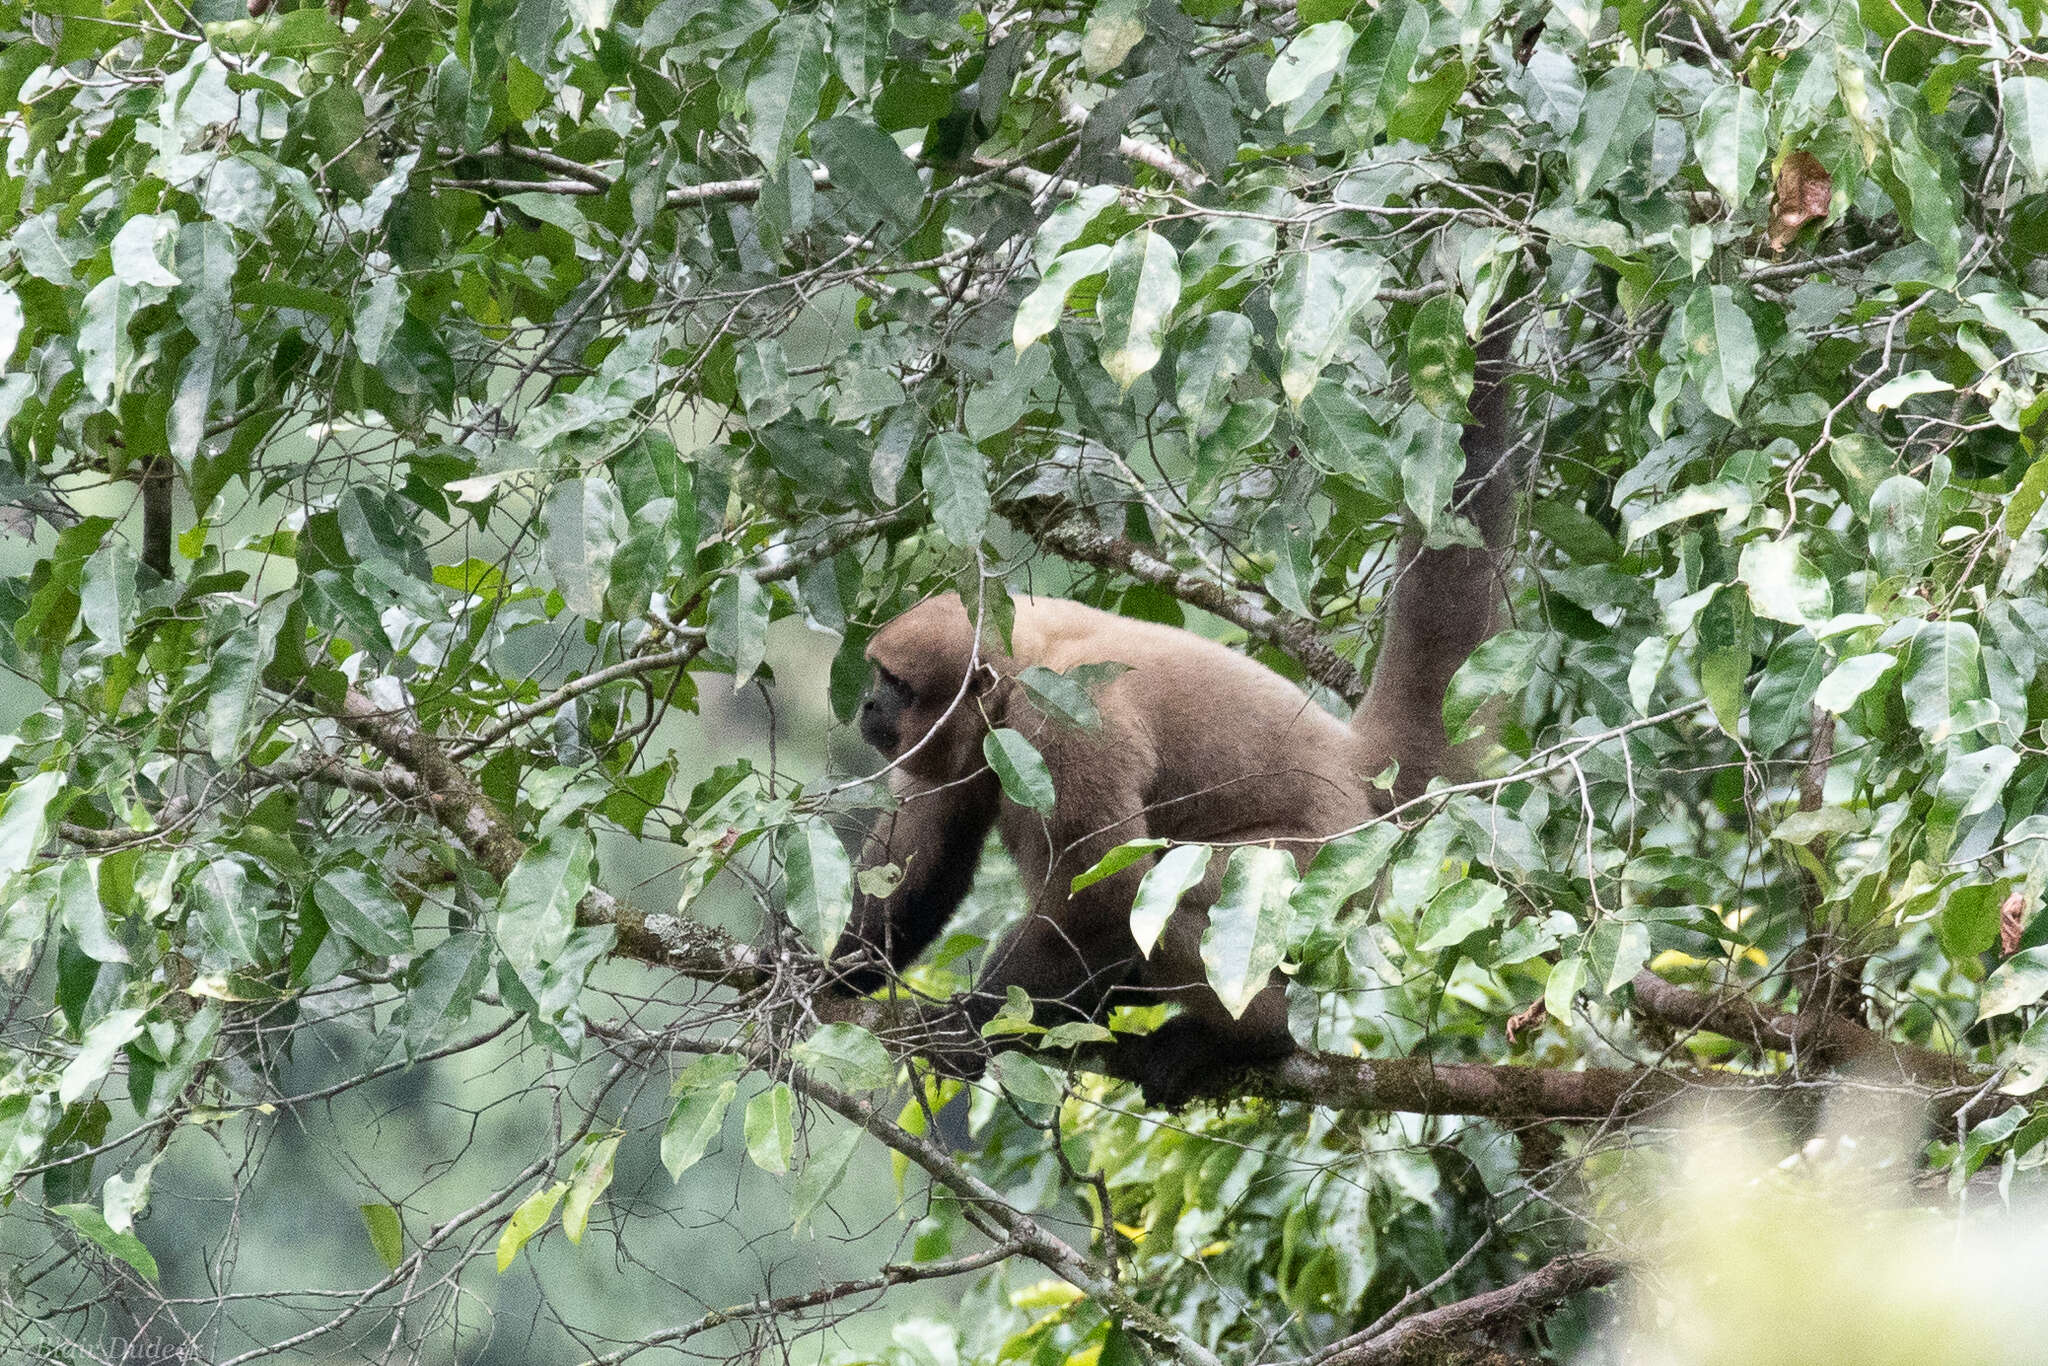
{"points": [[410, 411]]}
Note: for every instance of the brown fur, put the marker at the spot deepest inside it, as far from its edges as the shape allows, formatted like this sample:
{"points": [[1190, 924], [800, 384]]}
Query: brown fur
{"points": [[1198, 744]]}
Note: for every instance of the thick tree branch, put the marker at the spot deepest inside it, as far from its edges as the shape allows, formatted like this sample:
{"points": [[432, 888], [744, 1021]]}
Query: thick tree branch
{"points": [[1422, 1339], [1816, 1041]]}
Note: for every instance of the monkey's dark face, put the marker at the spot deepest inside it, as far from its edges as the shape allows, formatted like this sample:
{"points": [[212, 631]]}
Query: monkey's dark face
{"points": [[925, 708], [881, 713]]}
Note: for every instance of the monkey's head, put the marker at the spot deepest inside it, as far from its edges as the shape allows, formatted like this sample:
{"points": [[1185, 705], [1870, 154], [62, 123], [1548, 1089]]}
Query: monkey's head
{"points": [[930, 683]]}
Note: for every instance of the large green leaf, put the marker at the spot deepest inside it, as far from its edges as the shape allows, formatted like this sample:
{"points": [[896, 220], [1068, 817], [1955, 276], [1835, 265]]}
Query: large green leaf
{"points": [[1730, 140], [783, 87], [1248, 925], [1618, 112], [1138, 297], [818, 883], [956, 479]]}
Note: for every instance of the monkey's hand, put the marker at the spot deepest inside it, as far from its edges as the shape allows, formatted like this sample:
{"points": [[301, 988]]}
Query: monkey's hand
{"points": [[953, 1042]]}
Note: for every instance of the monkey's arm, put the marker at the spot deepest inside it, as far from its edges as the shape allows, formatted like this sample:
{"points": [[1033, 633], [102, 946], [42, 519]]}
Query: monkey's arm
{"points": [[1073, 948], [935, 837]]}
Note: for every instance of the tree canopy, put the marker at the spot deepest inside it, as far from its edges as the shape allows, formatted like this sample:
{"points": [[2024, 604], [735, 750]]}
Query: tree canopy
{"points": [[416, 416]]}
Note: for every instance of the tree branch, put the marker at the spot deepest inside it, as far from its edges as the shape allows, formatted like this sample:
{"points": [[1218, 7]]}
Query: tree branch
{"points": [[1421, 1340], [1815, 1040], [1076, 540]]}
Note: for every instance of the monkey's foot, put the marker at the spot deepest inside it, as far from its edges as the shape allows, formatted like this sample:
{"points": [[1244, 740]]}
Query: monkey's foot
{"points": [[1185, 1057]]}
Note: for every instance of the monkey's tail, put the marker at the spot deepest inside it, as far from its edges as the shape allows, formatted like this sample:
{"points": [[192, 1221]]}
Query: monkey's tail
{"points": [[1445, 602]]}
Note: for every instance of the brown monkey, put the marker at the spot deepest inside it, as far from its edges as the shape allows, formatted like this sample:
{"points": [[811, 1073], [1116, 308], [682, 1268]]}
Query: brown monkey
{"points": [[1197, 743]]}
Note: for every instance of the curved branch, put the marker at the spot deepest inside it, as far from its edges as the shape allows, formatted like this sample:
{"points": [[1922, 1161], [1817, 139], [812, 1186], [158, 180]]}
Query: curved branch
{"points": [[1421, 1339]]}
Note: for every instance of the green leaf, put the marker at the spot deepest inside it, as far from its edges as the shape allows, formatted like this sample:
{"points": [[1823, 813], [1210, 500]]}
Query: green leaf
{"points": [[1561, 992], [231, 692], [783, 88], [1420, 115], [1137, 298], [771, 1128], [1943, 671], [956, 480], [11, 319], [1211, 359], [377, 317], [530, 1218], [24, 820], [95, 1058], [444, 985], [825, 1167], [587, 1181], [230, 919], [1378, 78], [1728, 495], [123, 1246], [818, 883], [738, 629], [2019, 981], [1969, 920], [1729, 140], [2026, 500], [1342, 869], [537, 904], [703, 1092], [25, 1123], [106, 352], [1025, 778], [1501, 665], [1440, 358], [847, 1056], [106, 596], [387, 1234], [585, 524], [1458, 912], [1850, 679], [2026, 124], [868, 167], [1027, 1079], [1160, 890], [1721, 348], [1901, 537], [1618, 113], [139, 251], [1646, 666], [1112, 31], [1306, 67], [1247, 933], [360, 908], [1116, 860], [1040, 312], [1722, 659], [1318, 293], [1970, 784], [1061, 698], [83, 914], [1894, 393], [1783, 584]]}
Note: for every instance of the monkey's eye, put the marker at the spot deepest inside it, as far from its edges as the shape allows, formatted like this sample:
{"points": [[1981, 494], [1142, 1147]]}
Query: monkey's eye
{"points": [[893, 683]]}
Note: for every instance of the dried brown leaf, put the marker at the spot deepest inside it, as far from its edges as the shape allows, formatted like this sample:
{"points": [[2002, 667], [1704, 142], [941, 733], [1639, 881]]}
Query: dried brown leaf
{"points": [[1804, 189]]}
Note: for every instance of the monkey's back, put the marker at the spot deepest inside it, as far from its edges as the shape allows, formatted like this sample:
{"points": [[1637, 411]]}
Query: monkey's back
{"points": [[1235, 750]]}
